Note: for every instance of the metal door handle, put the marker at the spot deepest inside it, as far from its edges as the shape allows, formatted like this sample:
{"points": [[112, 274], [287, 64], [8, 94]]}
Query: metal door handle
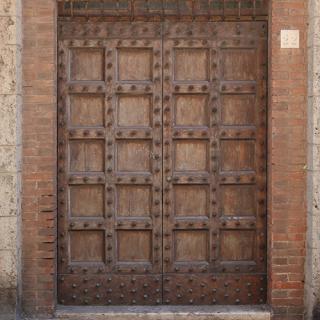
{"points": [[169, 179]]}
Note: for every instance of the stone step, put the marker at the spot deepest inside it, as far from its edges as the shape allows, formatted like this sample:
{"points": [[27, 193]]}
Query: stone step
{"points": [[164, 313]]}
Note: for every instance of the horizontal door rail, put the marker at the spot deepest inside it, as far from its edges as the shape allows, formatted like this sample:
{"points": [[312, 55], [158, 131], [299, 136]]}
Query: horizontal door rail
{"points": [[134, 9]]}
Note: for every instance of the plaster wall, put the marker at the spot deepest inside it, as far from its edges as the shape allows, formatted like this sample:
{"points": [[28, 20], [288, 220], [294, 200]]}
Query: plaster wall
{"points": [[10, 146]]}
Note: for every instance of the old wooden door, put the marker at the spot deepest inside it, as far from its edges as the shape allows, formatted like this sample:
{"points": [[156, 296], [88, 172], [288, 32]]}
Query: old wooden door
{"points": [[162, 163]]}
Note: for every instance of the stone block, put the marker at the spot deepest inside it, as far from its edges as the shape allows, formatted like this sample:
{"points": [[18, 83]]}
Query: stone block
{"points": [[9, 107], [9, 70], [8, 302], [314, 122], [10, 8], [8, 195], [9, 159], [10, 35], [8, 269], [8, 233], [316, 155], [316, 57]]}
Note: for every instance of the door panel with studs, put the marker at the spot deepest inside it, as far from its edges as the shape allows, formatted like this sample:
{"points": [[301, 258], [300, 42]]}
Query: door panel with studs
{"points": [[214, 102], [162, 163], [110, 180]]}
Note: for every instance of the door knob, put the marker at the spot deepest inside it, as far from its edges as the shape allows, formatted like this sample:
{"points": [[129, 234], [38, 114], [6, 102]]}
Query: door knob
{"points": [[169, 179]]}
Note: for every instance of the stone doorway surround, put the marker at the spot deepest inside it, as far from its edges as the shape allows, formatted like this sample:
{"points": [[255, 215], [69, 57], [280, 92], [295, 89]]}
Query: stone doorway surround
{"points": [[312, 267], [10, 159], [286, 171]]}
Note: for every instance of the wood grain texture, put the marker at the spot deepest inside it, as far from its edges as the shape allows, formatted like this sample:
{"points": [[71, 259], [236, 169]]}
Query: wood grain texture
{"points": [[162, 163]]}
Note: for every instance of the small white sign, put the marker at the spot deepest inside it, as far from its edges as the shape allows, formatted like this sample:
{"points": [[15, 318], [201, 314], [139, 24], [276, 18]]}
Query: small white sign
{"points": [[290, 39]]}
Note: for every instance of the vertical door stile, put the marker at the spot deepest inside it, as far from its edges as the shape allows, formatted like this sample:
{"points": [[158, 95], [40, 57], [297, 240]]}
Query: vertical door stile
{"points": [[109, 155]]}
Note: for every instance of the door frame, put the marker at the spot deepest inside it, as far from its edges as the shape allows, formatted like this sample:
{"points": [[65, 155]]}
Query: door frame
{"points": [[41, 263]]}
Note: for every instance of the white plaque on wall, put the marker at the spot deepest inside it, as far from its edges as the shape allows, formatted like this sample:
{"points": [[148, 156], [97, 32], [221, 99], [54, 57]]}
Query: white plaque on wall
{"points": [[290, 39]]}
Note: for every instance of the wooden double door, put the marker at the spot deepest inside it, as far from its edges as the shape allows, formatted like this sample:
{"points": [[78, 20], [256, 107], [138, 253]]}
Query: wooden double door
{"points": [[162, 162]]}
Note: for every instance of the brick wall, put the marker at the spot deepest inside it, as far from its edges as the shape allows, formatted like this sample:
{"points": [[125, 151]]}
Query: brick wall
{"points": [[39, 156], [287, 160], [10, 149]]}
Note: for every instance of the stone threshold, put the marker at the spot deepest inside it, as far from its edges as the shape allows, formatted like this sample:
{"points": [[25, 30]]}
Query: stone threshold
{"points": [[261, 312]]}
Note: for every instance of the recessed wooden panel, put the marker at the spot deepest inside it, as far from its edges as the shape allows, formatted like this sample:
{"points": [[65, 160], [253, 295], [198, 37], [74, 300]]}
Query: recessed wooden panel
{"points": [[133, 156], [238, 200], [134, 110], [239, 64], [86, 200], [134, 245], [86, 110], [86, 156], [191, 200], [191, 245], [237, 155], [191, 155], [238, 109], [87, 246], [133, 200], [237, 245], [135, 64], [191, 64], [87, 64], [191, 110]]}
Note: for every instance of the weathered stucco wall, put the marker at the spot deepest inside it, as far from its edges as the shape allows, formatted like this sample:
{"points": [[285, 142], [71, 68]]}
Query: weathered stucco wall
{"points": [[10, 104], [312, 284]]}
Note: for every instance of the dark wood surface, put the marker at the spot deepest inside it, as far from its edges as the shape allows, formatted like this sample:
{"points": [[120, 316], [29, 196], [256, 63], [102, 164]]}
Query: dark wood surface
{"points": [[162, 163]]}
